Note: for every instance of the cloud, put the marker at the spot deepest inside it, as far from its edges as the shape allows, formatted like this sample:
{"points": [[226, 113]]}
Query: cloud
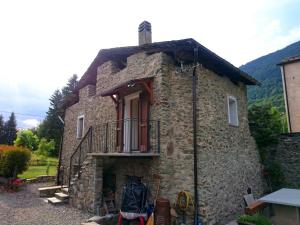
{"points": [[30, 123]]}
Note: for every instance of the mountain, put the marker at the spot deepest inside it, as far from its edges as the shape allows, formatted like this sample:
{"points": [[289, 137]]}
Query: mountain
{"points": [[265, 70]]}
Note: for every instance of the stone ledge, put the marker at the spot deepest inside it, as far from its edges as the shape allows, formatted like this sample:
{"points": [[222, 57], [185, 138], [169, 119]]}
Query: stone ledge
{"points": [[41, 179]]}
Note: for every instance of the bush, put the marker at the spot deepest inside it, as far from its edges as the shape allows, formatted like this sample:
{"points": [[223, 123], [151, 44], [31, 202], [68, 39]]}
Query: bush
{"points": [[274, 171], [265, 124], [255, 219], [46, 148], [13, 160]]}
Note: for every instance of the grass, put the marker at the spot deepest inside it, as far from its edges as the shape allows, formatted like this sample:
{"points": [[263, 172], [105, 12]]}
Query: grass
{"points": [[35, 171], [38, 166], [254, 219]]}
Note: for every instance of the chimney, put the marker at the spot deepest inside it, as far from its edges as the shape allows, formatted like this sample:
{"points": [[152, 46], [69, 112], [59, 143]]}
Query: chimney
{"points": [[145, 35]]}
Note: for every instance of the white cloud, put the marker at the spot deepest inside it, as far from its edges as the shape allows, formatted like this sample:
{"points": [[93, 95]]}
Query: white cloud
{"points": [[44, 42], [30, 123]]}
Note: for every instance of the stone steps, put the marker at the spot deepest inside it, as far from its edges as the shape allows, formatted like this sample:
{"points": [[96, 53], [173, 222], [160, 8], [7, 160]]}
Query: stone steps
{"points": [[49, 191], [62, 196], [55, 195], [65, 190], [58, 199], [55, 201]]}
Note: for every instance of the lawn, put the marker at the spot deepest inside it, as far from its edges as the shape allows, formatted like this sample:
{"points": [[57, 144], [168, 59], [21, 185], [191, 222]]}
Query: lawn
{"points": [[35, 171], [38, 166]]}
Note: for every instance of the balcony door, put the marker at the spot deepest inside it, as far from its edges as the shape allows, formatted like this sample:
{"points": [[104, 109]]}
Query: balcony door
{"points": [[131, 123]]}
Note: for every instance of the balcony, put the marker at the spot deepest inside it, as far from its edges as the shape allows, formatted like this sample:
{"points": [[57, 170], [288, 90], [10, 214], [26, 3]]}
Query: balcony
{"points": [[124, 138]]}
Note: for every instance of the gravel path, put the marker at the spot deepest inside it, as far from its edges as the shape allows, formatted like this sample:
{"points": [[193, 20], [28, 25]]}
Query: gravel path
{"points": [[26, 208]]}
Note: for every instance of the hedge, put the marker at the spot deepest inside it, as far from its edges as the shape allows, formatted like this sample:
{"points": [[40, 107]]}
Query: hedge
{"points": [[13, 160]]}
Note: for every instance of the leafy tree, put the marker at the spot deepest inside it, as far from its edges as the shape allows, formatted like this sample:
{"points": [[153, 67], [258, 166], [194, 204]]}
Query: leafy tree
{"points": [[26, 138], [266, 125], [2, 133], [46, 148], [10, 129]]}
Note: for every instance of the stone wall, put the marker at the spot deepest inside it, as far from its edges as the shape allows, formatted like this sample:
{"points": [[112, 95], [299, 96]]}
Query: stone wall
{"points": [[41, 179], [103, 112], [228, 160], [287, 154], [86, 186]]}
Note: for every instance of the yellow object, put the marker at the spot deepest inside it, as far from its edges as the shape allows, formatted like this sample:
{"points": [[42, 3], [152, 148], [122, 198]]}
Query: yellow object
{"points": [[184, 200], [150, 220]]}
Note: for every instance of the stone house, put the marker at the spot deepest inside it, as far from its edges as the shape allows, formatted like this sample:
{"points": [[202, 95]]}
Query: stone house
{"points": [[171, 108]]}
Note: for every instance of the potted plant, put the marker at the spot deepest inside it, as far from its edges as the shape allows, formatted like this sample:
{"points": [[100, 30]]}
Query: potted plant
{"points": [[253, 220]]}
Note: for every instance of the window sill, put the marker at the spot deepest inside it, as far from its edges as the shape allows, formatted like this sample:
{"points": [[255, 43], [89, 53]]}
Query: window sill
{"points": [[233, 125]]}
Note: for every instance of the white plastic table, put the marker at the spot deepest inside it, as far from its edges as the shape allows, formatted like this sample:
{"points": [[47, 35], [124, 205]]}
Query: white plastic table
{"points": [[286, 204]]}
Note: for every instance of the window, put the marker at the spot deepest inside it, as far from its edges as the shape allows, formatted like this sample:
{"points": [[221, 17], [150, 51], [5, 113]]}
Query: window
{"points": [[80, 126], [232, 111]]}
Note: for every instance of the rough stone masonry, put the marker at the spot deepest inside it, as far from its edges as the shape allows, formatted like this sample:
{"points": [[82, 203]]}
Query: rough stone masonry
{"points": [[228, 161]]}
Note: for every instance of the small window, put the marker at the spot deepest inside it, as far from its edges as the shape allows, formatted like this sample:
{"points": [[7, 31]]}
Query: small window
{"points": [[232, 111], [80, 126]]}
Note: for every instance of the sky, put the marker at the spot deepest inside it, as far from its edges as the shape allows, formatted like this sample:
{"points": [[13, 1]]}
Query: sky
{"points": [[45, 42]]}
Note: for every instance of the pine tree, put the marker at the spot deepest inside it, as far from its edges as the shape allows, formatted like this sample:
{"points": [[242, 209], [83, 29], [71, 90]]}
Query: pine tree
{"points": [[68, 92], [2, 136], [51, 127], [10, 129]]}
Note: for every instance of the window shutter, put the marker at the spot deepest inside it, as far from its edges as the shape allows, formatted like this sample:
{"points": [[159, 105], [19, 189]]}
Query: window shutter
{"points": [[144, 123], [120, 116]]}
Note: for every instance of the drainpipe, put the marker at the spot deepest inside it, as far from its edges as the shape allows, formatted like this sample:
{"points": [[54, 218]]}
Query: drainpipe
{"points": [[60, 154], [197, 220]]}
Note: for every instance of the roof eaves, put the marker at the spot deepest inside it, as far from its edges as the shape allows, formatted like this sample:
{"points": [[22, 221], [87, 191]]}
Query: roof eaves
{"points": [[288, 60]]}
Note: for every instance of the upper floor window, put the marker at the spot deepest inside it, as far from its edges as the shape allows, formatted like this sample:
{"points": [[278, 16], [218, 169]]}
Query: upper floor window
{"points": [[232, 111], [80, 126]]}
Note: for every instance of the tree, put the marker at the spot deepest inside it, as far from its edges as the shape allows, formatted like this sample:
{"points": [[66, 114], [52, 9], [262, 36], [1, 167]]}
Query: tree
{"points": [[265, 124], [2, 133], [46, 148], [10, 129], [68, 91], [51, 127], [26, 138]]}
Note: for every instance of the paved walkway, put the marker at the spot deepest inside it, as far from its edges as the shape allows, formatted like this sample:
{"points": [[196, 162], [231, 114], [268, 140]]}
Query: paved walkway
{"points": [[26, 208]]}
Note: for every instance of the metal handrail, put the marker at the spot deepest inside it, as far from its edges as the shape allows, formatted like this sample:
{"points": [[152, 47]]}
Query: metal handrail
{"points": [[78, 149], [103, 138]]}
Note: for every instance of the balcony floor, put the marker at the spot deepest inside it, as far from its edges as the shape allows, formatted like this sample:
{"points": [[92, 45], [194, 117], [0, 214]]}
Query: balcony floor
{"points": [[122, 154]]}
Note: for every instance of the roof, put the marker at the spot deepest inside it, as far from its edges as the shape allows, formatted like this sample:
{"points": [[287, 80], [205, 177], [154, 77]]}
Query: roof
{"points": [[182, 50], [289, 60], [123, 86]]}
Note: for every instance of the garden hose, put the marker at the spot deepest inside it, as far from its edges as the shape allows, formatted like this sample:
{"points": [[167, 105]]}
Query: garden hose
{"points": [[184, 200]]}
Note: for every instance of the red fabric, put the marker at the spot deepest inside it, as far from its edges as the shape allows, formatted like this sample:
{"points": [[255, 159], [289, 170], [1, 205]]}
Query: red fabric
{"points": [[120, 220]]}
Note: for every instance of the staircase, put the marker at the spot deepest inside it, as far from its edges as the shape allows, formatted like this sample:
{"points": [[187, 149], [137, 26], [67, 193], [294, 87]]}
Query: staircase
{"points": [[57, 195], [61, 197], [79, 155]]}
